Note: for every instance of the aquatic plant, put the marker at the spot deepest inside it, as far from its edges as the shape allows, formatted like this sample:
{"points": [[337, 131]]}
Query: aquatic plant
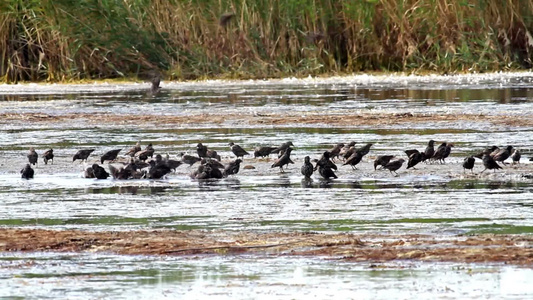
{"points": [[191, 39]]}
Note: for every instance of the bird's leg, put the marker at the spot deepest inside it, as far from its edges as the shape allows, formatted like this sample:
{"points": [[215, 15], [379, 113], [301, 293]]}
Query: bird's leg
{"points": [[483, 171]]}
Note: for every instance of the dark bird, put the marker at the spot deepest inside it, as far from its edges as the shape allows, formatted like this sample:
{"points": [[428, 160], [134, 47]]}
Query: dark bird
{"points": [[325, 161], [156, 81], [516, 156], [263, 151], [382, 160], [48, 155], [189, 159], [99, 172], [440, 153], [354, 159], [285, 159], [110, 155], [489, 162], [469, 163], [157, 171], [225, 18], [490, 150], [502, 154], [335, 151], [364, 150], [430, 150], [345, 149], [394, 165], [201, 150], [147, 152], [326, 172], [415, 157], [122, 173], [307, 169], [213, 154], [349, 152], [281, 149], [238, 150], [27, 172], [133, 150], [88, 173], [212, 162], [32, 156], [172, 163], [232, 168], [82, 154]]}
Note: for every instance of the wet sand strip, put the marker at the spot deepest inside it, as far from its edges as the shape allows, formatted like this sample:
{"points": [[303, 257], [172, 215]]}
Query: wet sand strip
{"points": [[486, 248], [274, 119]]}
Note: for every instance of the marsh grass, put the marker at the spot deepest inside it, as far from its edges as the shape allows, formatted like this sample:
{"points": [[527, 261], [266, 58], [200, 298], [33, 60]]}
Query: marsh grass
{"points": [[192, 39]]}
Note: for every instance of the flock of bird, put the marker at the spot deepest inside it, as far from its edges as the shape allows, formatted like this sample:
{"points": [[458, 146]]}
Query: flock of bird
{"points": [[210, 166]]}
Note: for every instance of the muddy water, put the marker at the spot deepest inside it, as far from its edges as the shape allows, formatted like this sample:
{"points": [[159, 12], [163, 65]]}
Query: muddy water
{"points": [[438, 200]]}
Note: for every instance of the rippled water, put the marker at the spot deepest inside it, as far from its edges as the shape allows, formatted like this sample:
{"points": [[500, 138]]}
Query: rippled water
{"points": [[437, 202]]}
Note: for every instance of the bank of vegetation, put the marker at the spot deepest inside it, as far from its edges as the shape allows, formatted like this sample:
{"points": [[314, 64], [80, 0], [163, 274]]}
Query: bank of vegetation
{"points": [[58, 40]]}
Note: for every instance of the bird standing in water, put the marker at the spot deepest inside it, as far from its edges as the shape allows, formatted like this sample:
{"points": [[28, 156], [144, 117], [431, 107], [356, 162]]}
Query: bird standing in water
{"points": [[238, 150], [32, 156], [48, 155], [27, 172], [307, 169], [285, 159], [468, 163]]}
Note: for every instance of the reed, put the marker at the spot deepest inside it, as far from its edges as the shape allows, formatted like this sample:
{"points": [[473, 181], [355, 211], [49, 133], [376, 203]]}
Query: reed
{"points": [[58, 40]]}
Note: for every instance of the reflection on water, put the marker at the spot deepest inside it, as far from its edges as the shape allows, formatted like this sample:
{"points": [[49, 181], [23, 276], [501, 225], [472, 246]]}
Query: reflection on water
{"points": [[241, 277]]}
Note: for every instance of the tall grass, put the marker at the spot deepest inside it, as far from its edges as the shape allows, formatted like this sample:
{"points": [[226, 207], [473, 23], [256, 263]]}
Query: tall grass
{"points": [[188, 39]]}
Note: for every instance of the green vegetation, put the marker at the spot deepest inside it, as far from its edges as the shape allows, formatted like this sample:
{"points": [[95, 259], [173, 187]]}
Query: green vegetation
{"points": [[189, 39]]}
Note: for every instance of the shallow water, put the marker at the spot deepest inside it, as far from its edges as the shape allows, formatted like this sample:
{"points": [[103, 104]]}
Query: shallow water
{"points": [[437, 200]]}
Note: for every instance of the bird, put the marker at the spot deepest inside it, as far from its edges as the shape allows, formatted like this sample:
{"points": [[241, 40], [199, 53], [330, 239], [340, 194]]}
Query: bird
{"points": [[201, 150], [326, 172], [345, 149], [238, 150], [88, 172], [364, 150], [440, 152], [263, 151], [394, 165], [32, 156], [189, 159], [489, 163], [27, 172], [490, 150], [157, 171], [382, 160], [285, 159], [48, 155], [147, 152], [307, 168], [225, 18], [430, 150], [469, 163], [232, 168], [156, 81], [172, 163], [325, 161], [349, 152], [516, 156], [133, 150], [281, 149], [110, 155], [99, 172], [82, 154], [213, 154], [502, 154], [124, 173], [336, 150], [415, 157], [354, 159], [212, 162]]}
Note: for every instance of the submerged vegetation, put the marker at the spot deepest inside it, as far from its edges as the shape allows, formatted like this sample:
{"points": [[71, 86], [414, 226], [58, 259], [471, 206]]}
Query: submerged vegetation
{"points": [[189, 39]]}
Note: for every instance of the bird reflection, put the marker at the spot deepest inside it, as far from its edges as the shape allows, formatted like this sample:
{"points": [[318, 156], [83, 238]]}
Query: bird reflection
{"points": [[307, 182]]}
